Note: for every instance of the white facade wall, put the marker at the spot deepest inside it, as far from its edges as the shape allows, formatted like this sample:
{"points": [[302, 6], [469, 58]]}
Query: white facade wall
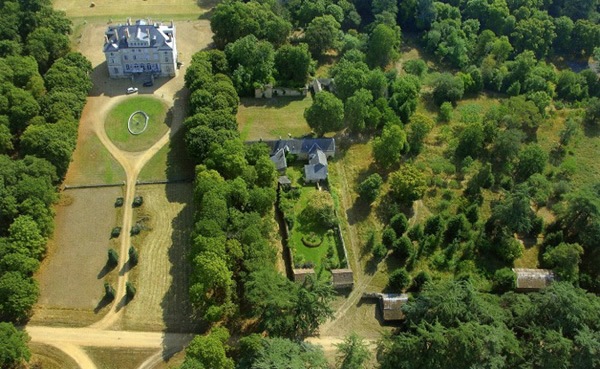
{"points": [[141, 48]]}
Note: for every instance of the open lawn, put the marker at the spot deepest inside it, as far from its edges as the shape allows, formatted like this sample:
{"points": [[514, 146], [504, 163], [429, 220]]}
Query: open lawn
{"points": [[72, 274], [170, 162], [50, 358], [93, 164], [116, 125], [118, 358], [118, 10], [273, 118], [161, 277]]}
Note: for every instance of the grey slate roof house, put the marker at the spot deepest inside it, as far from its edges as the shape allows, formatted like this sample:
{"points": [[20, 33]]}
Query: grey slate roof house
{"points": [[529, 280], [301, 147], [279, 160], [143, 47], [316, 169]]}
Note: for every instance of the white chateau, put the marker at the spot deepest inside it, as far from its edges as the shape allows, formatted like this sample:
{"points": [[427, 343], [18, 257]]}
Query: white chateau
{"points": [[143, 47]]}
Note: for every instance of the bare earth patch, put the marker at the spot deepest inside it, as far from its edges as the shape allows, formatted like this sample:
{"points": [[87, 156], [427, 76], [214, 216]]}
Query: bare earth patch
{"points": [[71, 282], [161, 277]]}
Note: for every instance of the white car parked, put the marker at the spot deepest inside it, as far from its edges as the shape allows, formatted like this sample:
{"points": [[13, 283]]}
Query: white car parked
{"points": [[132, 90]]}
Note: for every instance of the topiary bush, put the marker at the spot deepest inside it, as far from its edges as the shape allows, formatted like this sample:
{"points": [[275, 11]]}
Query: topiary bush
{"points": [[133, 256], [138, 201], [130, 290], [135, 230], [113, 258], [312, 240], [116, 232], [109, 291]]}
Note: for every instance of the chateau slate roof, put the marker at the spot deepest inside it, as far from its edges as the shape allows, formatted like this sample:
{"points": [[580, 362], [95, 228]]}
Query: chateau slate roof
{"points": [[158, 35]]}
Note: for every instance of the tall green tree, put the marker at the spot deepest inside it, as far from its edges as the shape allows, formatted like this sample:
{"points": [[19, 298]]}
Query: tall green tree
{"points": [[326, 114], [353, 352], [210, 351], [322, 34], [565, 259], [389, 147], [407, 184], [383, 45], [17, 296], [251, 62], [13, 346], [293, 65]]}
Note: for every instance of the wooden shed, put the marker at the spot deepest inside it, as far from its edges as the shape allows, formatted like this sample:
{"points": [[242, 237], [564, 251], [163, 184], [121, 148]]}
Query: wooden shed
{"points": [[391, 305], [301, 274], [529, 280], [342, 278]]}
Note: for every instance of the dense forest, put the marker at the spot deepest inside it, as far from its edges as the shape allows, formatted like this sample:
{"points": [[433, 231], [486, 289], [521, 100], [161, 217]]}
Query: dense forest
{"points": [[491, 177], [43, 90]]}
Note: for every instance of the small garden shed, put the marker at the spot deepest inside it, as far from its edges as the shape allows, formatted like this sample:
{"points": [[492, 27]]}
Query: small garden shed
{"points": [[391, 306], [342, 278], [529, 280]]}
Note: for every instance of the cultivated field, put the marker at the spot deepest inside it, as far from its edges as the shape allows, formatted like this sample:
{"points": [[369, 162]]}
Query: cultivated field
{"points": [[71, 277], [161, 277]]}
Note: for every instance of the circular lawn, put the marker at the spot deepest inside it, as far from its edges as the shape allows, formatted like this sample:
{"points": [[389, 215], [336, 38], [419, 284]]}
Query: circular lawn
{"points": [[117, 129]]}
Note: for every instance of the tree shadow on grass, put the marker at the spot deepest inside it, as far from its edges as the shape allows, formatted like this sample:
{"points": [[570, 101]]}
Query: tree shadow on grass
{"points": [[106, 300], [272, 103], [122, 303], [591, 130], [106, 269], [178, 314], [127, 267]]}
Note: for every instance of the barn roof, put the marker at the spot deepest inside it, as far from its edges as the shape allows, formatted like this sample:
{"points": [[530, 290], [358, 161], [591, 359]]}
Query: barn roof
{"points": [[342, 278], [533, 279], [279, 159], [391, 305], [301, 274]]}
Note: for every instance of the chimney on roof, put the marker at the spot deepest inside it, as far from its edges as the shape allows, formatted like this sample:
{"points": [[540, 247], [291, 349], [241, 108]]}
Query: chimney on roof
{"points": [[171, 23], [105, 39], [127, 32], [117, 34], [129, 21]]}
